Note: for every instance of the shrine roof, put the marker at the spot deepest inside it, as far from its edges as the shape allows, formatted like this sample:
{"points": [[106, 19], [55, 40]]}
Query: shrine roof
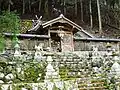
{"points": [[60, 19], [63, 19]]}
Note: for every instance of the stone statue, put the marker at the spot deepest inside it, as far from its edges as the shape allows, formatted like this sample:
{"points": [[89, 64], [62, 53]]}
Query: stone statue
{"points": [[38, 50], [17, 50], [51, 73], [115, 69]]}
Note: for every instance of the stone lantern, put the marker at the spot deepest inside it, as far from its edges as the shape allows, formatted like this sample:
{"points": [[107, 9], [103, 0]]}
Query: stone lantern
{"points": [[51, 74], [38, 52], [17, 49], [115, 69]]}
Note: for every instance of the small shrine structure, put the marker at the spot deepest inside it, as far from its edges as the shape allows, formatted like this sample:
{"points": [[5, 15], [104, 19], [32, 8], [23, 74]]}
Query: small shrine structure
{"points": [[62, 35]]}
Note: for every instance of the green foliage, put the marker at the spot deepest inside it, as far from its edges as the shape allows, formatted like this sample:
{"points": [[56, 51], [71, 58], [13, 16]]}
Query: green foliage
{"points": [[63, 71], [33, 71], [14, 41], [55, 88], [20, 86], [25, 25], [30, 72], [9, 22], [2, 43]]}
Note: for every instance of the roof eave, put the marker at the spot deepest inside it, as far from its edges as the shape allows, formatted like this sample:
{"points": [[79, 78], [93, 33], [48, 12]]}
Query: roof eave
{"points": [[98, 39], [27, 35]]}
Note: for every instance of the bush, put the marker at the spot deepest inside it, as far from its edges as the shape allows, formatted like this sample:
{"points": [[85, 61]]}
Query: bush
{"points": [[9, 22]]}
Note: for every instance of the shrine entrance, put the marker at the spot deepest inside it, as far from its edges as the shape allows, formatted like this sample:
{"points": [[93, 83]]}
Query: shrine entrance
{"points": [[55, 42], [61, 41]]}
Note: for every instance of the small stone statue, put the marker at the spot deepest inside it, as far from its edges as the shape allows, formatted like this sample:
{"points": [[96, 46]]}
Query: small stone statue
{"points": [[51, 74], [38, 54], [17, 50], [115, 69], [95, 49], [94, 52]]}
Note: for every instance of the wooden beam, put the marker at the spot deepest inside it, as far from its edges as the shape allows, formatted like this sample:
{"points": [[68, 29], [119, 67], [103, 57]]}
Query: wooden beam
{"points": [[56, 31], [57, 27], [98, 39], [27, 35]]}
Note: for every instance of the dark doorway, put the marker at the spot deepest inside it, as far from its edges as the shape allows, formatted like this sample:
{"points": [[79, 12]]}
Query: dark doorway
{"points": [[55, 42]]}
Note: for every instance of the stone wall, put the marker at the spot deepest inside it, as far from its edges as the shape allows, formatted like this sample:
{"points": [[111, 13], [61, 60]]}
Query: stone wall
{"points": [[87, 45], [27, 44], [8, 43]]}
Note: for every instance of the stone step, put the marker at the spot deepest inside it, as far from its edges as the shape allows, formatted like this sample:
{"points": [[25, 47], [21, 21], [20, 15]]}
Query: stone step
{"points": [[92, 86]]}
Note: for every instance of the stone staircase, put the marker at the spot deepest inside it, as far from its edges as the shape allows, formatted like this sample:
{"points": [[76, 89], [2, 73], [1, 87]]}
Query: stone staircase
{"points": [[77, 68], [71, 66], [96, 85]]}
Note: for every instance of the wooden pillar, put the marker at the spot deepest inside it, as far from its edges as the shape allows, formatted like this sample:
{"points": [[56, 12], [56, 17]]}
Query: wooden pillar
{"points": [[118, 46], [73, 37], [49, 38]]}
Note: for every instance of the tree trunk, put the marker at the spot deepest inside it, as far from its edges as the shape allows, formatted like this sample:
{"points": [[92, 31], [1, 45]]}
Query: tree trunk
{"points": [[29, 5], [99, 17], [81, 5], [23, 11], [9, 5], [75, 7], [91, 19], [118, 19], [0, 6], [40, 4], [64, 7], [46, 9]]}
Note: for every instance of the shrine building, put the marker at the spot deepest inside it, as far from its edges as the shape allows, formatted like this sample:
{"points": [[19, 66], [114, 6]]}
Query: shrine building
{"points": [[61, 35]]}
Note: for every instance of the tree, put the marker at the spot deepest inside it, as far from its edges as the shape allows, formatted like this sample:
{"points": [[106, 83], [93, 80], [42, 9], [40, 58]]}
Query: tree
{"points": [[29, 2], [64, 4], [1, 4], [9, 22], [99, 17], [46, 9], [9, 4], [76, 7], [91, 19], [23, 10], [40, 2], [81, 5]]}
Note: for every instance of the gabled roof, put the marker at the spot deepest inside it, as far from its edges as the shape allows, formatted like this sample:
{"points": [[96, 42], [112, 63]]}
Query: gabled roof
{"points": [[63, 19], [36, 26]]}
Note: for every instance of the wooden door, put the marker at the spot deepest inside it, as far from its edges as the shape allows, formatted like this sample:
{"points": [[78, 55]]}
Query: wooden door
{"points": [[67, 42]]}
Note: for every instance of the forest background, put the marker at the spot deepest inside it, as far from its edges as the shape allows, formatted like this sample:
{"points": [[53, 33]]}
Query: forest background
{"points": [[96, 16]]}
